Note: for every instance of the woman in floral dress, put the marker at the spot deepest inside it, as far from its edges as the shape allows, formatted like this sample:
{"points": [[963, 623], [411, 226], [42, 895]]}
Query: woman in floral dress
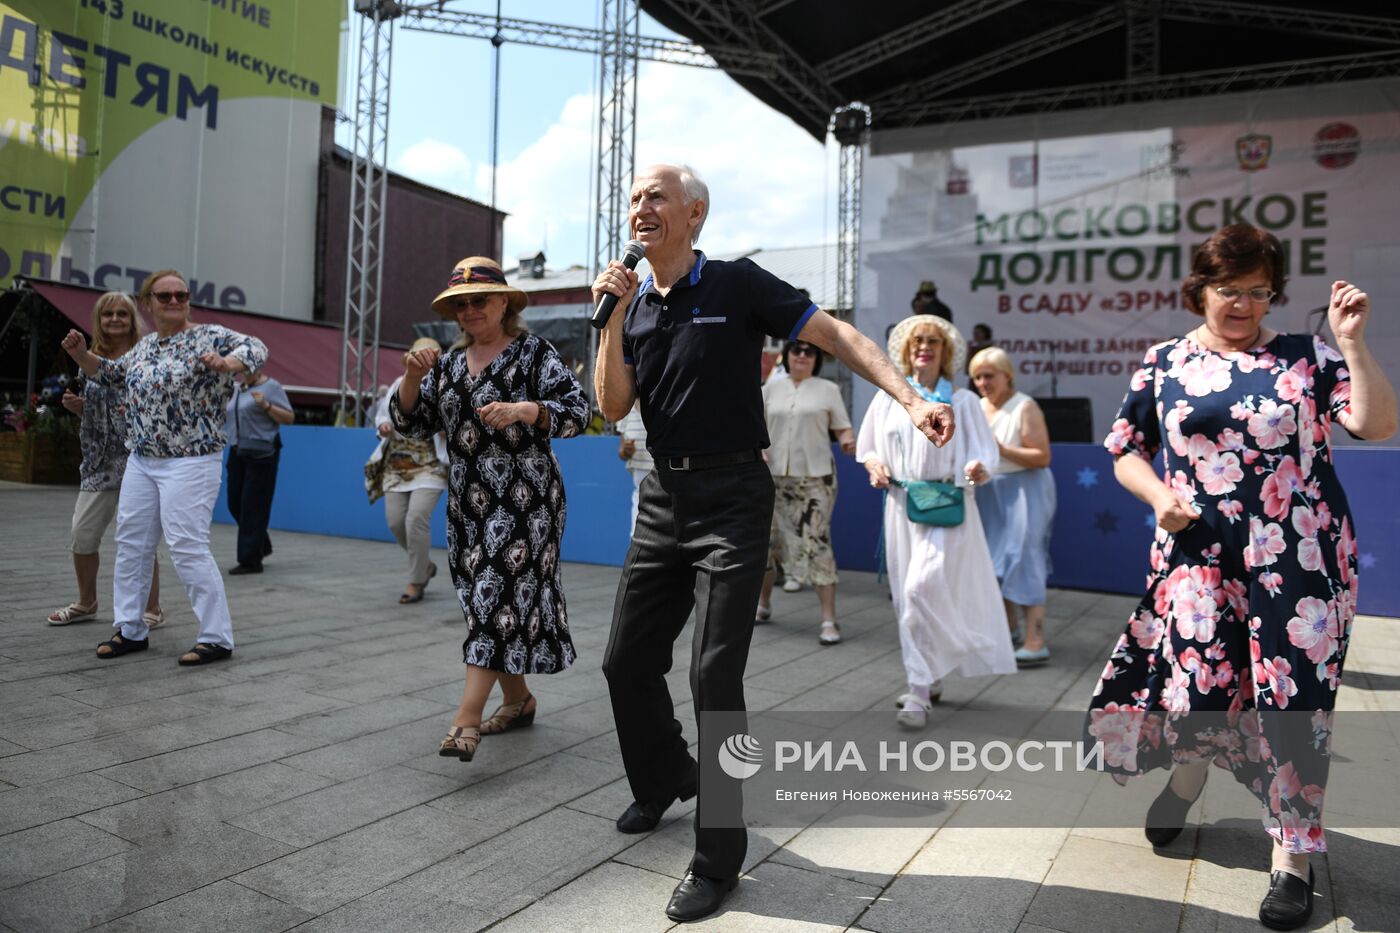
{"points": [[499, 395], [1253, 584]]}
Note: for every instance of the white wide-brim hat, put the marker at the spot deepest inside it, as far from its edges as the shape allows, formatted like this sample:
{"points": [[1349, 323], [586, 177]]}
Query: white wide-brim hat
{"points": [[902, 331]]}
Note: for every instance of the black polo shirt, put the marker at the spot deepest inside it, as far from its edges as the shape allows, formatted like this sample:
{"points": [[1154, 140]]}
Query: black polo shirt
{"points": [[698, 350]]}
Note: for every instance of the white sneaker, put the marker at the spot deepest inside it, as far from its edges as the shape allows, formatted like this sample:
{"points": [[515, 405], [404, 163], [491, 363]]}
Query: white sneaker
{"points": [[913, 712], [791, 586]]}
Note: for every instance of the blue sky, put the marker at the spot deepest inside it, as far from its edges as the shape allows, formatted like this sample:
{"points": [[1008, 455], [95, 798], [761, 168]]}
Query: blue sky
{"points": [[772, 184]]}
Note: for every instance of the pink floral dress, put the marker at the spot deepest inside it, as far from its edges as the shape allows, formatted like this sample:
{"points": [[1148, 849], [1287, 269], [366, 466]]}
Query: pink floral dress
{"points": [[1248, 610]]}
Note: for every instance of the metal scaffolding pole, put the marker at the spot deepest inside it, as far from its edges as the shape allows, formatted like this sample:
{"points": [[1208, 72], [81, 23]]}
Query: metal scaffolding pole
{"points": [[850, 126], [617, 138], [364, 253]]}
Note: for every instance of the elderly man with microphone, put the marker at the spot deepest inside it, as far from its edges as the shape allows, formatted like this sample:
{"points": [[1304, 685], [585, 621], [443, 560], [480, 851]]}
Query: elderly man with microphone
{"points": [[687, 341]]}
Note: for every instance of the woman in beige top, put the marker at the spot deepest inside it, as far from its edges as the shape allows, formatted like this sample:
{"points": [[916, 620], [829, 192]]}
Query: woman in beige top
{"points": [[802, 413], [1018, 507]]}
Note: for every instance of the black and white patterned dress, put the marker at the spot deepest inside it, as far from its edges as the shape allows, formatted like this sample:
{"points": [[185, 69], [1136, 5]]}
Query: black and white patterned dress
{"points": [[505, 508]]}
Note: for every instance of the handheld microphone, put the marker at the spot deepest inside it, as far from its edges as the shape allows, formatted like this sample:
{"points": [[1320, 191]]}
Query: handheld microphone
{"points": [[632, 254]]}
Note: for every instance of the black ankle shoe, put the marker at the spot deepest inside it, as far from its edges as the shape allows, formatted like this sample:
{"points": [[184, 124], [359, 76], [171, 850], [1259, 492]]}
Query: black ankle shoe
{"points": [[1166, 818], [642, 817], [698, 896], [1289, 903]]}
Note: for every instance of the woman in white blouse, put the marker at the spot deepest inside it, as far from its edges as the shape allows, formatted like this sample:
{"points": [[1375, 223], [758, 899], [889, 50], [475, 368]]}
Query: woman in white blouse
{"points": [[803, 411], [946, 598]]}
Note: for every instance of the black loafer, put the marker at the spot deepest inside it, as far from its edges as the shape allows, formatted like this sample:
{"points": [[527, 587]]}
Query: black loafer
{"points": [[1166, 818], [1289, 903], [698, 896], [244, 568], [642, 817]]}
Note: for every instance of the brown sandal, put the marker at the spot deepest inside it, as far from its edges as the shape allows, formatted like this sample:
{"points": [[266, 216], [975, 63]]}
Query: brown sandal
{"points": [[512, 716], [460, 743]]}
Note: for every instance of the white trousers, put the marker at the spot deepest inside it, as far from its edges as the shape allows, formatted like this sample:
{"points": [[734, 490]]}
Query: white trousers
{"points": [[176, 494]]}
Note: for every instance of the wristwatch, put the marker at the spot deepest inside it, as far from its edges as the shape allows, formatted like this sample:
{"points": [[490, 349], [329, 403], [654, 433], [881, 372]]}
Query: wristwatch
{"points": [[542, 418]]}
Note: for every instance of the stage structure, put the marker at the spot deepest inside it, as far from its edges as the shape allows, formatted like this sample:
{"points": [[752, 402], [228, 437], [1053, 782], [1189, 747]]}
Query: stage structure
{"points": [[619, 46]]}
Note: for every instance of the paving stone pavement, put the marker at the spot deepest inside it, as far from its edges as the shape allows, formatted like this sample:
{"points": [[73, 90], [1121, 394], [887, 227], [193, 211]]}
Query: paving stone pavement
{"points": [[296, 787]]}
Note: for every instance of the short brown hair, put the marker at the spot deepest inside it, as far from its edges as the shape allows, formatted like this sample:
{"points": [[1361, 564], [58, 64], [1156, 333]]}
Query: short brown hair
{"points": [[143, 297], [1231, 253]]}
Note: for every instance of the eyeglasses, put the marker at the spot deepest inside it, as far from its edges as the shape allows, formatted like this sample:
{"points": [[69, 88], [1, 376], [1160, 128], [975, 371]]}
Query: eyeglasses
{"points": [[474, 301], [926, 341], [1260, 295], [166, 297], [802, 349]]}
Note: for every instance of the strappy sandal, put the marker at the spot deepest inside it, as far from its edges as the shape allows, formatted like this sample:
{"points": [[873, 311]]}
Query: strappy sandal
{"points": [[913, 718], [205, 654], [460, 743], [830, 633], [512, 716], [73, 613], [119, 645], [153, 619]]}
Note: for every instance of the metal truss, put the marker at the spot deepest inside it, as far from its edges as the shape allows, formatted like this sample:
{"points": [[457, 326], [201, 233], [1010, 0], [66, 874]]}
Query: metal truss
{"points": [[429, 18], [949, 19], [1318, 21], [1144, 33], [1360, 67], [914, 101], [851, 127], [735, 28], [369, 189], [617, 128]]}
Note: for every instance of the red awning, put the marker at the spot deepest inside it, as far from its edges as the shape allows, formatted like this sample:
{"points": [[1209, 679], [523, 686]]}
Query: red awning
{"points": [[302, 355]]}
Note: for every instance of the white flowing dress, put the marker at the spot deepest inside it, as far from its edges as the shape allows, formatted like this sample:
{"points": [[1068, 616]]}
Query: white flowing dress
{"points": [[946, 597]]}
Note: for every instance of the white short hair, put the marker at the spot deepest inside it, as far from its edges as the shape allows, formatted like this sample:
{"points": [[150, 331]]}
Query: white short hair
{"points": [[695, 190]]}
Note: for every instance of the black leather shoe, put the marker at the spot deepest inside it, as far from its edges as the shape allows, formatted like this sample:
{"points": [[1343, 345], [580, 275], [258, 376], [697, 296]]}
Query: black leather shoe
{"points": [[1289, 903], [242, 569], [698, 896], [1166, 818], [642, 817]]}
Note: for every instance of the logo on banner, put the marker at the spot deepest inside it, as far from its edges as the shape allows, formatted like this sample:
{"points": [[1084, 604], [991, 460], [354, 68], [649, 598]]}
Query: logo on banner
{"points": [[740, 756], [1336, 145], [958, 180], [1022, 171], [1253, 151]]}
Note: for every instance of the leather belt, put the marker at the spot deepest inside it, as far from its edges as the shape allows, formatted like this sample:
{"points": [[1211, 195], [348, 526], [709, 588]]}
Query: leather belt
{"points": [[708, 461]]}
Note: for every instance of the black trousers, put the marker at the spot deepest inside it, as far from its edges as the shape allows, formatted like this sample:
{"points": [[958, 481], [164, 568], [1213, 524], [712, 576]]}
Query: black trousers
{"points": [[700, 543], [252, 479]]}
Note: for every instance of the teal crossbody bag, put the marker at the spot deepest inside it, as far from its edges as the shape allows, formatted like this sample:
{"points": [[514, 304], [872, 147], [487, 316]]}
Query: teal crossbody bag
{"points": [[935, 501]]}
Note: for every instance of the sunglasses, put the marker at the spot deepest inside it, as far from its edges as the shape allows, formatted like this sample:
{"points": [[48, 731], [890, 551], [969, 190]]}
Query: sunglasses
{"points": [[802, 349], [166, 297], [476, 302]]}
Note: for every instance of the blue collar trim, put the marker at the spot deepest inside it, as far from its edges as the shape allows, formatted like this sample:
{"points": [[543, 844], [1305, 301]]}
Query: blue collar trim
{"points": [[942, 393]]}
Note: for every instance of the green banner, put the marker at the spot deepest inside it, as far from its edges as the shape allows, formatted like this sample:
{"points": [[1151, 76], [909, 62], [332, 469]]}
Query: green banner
{"points": [[84, 83]]}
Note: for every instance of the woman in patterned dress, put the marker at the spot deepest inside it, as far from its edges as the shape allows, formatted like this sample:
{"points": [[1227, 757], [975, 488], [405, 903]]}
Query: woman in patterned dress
{"points": [[116, 327], [177, 383], [499, 394], [1253, 584]]}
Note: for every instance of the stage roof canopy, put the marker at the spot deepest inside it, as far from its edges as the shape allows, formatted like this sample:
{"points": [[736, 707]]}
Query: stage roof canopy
{"points": [[915, 62]]}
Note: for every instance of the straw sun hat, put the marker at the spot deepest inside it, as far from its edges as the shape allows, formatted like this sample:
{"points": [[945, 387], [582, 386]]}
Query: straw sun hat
{"points": [[905, 329], [477, 275]]}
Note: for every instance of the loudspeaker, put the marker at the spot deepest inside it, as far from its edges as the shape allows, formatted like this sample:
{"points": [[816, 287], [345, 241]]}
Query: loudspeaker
{"points": [[1070, 420]]}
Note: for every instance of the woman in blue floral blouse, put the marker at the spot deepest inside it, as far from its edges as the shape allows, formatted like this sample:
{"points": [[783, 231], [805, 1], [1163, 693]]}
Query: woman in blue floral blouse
{"points": [[1254, 569], [116, 327], [177, 382]]}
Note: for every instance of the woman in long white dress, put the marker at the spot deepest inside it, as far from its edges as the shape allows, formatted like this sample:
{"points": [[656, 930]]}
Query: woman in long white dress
{"points": [[946, 598]]}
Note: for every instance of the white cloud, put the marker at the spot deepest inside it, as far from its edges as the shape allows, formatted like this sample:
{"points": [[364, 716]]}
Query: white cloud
{"points": [[438, 163], [771, 184]]}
